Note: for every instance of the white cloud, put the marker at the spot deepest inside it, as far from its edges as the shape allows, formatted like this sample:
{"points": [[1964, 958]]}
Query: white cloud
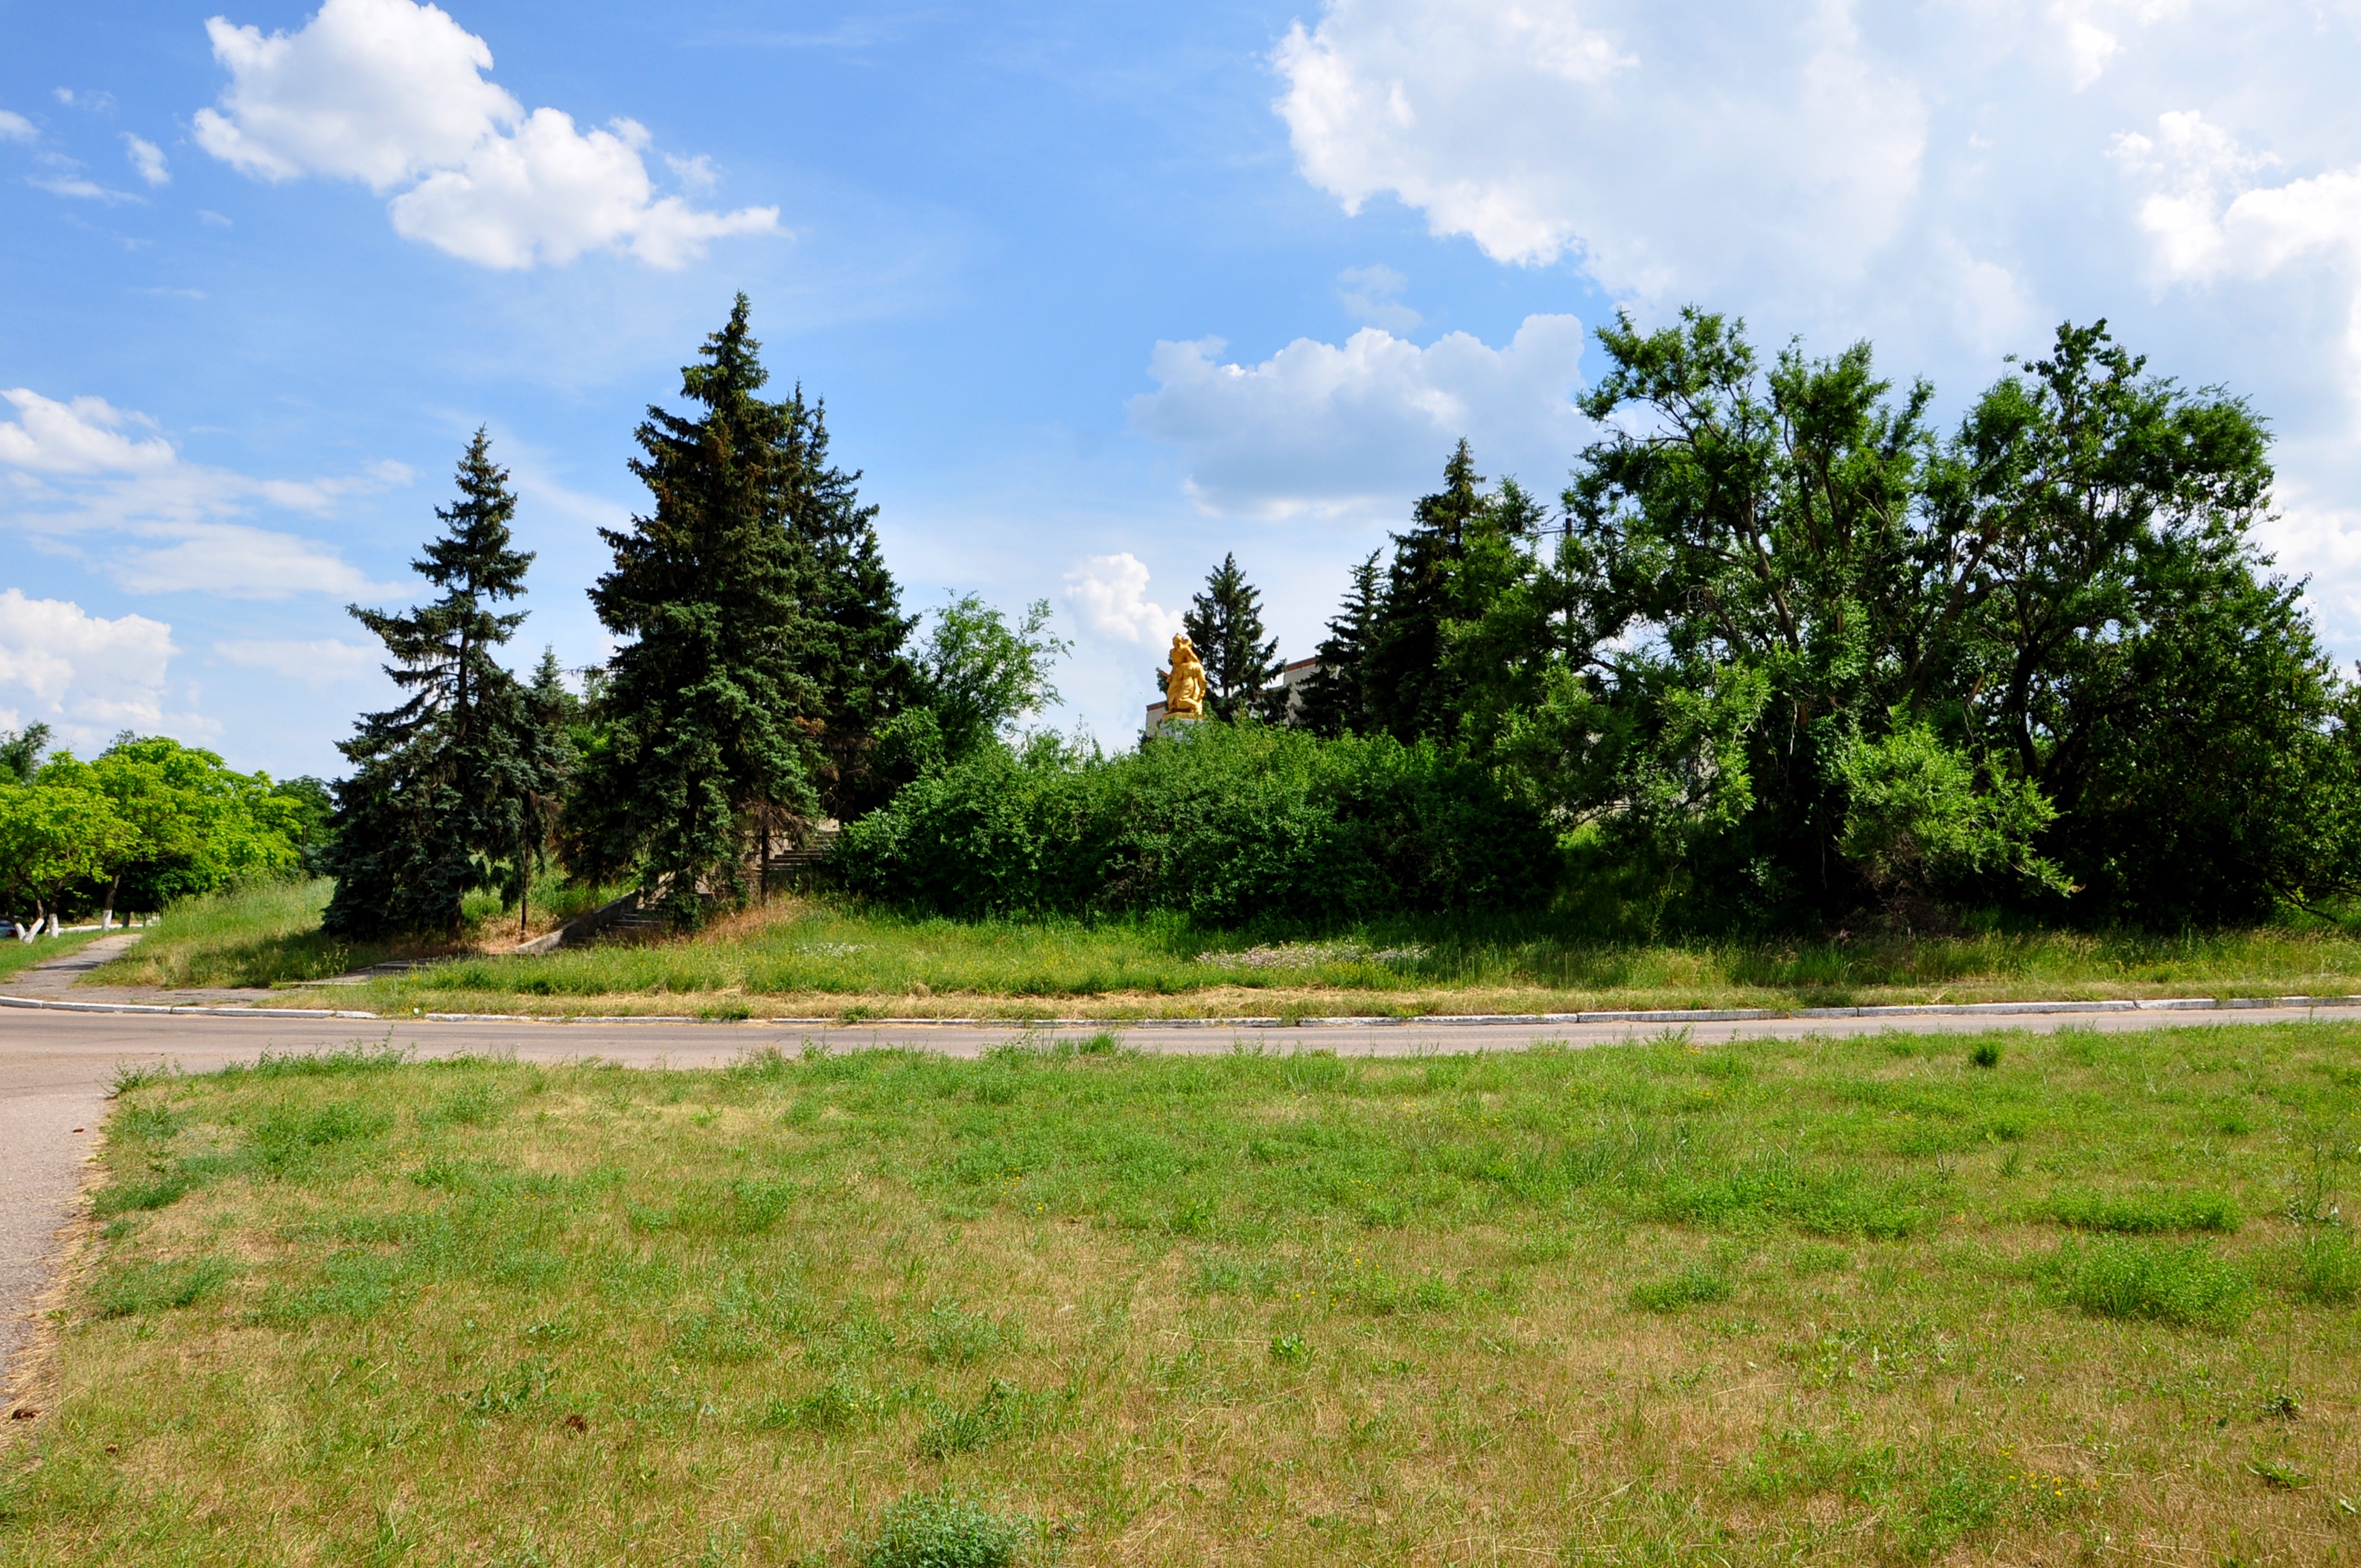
{"points": [[549, 193], [1372, 296], [70, 471], [15, 127], [379, 90], [2207, 214], [85, 675], [83, 190], [1110, 594], [392, 93], [1340, 430], [1628, 133], [240, 563], [82, 436], [1948, 179], [318, 665], [147, 159]]}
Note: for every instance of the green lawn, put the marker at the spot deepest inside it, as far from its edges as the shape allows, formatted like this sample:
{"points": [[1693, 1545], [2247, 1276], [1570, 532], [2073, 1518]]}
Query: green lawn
{"points": [[823, 957], [1855, 1300]]}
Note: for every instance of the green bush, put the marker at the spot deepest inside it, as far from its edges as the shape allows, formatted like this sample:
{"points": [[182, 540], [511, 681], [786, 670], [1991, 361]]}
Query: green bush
{"points": [[944, 1529], [2185, 1285], [1230, 823]]}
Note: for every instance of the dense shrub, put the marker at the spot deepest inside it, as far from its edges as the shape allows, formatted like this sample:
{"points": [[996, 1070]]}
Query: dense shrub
{"points": [[1228, 823]]}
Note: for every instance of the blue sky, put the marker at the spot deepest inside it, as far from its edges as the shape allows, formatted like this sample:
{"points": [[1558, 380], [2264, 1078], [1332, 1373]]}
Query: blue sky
{"points": [[1094, 294]]}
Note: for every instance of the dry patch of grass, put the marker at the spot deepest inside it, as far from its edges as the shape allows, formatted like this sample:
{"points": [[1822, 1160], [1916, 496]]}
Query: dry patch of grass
{"points": [[1746, 1304]]}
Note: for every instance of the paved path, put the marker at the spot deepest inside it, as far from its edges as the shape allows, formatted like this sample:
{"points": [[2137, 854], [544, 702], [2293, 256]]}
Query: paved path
{"points": [[56, 1068]]}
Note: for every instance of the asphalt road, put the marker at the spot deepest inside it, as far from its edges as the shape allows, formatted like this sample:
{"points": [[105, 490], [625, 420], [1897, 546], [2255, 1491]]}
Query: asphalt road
{"points": [[58, 1069]]}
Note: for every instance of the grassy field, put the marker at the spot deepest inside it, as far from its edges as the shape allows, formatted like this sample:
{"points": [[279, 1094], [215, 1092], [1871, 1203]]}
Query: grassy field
{"points": [[818, 958], [2024, 1298]]}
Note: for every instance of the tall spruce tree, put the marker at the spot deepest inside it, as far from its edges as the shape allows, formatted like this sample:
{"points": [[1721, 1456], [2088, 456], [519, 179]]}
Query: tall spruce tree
{"points": [[1407, 687], [1336, 699], [1224, 622], [552, 713], [710, 719], [855, 627], [440, 785]]}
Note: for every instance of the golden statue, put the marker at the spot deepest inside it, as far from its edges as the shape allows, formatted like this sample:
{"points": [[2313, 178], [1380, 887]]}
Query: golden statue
{"points": [[1184, 684]]}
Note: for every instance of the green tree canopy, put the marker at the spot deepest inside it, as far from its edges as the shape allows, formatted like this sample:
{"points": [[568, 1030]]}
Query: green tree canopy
{"points": [[977, 676], [1794, 653], [440, 798], [854, 630], [1336, 699], [711, 720], [1224, 623], [56, 833]]}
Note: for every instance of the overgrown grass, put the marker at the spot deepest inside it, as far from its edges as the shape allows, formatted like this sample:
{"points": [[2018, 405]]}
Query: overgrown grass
{"points": [[826, 957], [1780, 1300], [265, 934], [268, 934]]}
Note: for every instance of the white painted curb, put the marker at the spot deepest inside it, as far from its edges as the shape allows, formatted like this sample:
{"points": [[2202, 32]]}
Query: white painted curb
{"points": [[1528, 1020]]}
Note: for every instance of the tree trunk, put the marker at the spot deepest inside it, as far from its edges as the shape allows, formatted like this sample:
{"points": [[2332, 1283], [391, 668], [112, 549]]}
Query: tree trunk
{"points": [[106, 911], [524, 901]]}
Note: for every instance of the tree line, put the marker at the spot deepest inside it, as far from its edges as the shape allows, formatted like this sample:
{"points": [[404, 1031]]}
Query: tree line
{"points": [[1785, 653], [145, 822], [765, 678], [1782, 654]]}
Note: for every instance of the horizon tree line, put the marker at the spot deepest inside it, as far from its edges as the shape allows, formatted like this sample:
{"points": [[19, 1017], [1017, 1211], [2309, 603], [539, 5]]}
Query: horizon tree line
{"points": [[1782, 651]]}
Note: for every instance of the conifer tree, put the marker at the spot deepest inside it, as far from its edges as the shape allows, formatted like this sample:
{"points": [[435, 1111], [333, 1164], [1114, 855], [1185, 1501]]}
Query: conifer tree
{"points": [[1336, 699], [1406, 685], [856, 628], [441, 785], [551, 712], [1224, 622], [709, 718]]}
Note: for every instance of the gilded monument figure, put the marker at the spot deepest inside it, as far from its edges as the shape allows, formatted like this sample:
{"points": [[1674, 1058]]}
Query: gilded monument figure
{"points": [[1184, 684]]}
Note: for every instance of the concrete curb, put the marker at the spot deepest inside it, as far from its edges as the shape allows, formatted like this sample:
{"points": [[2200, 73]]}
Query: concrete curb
{"points": [[178, 1012], [1526, 1020]]}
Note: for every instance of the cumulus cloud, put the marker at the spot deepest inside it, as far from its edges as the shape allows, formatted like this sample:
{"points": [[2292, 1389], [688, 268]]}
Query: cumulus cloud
{"points": [[319, 664], [548, 192], [84, 675], [1109, 593], [83, 435], [147, 159], [15, 127], [72, 469], [1336, 430], [1948, 180], [1624, 133], [392, 93], [2208, 213]]}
